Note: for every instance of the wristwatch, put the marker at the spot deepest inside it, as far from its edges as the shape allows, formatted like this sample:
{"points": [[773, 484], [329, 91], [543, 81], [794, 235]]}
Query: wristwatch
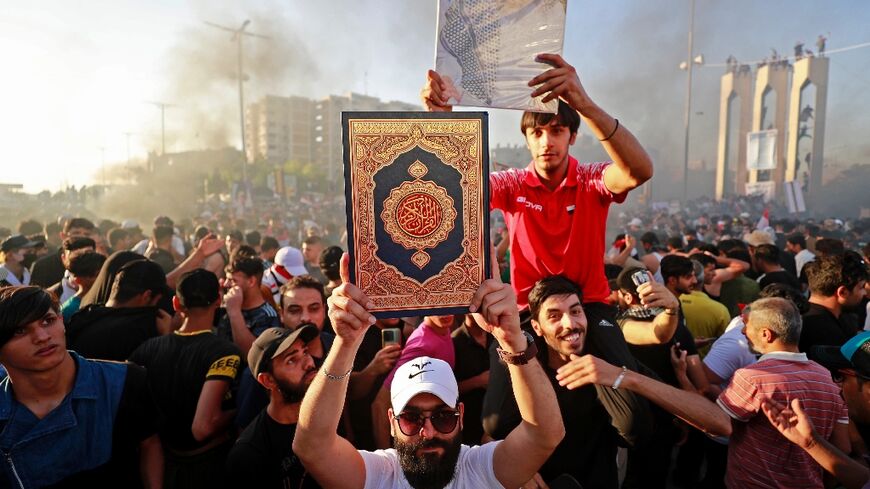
{"points": [[522, 357]]}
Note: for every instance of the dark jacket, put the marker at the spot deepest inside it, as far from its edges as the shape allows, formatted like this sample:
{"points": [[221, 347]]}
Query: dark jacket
{"points": [[110, 333]]}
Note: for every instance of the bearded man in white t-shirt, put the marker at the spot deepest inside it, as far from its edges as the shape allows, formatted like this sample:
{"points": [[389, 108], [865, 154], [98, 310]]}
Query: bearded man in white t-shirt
{"points": [[426, 417]]}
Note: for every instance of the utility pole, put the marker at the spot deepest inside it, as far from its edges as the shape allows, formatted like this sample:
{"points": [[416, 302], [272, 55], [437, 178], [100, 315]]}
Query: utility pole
{"points": [[162, 106], [687, 65], [238, 35], [128, 134]]}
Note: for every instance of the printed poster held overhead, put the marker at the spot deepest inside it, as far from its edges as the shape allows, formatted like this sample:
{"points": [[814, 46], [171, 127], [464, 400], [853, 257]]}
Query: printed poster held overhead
{"points": [[485, 50]]}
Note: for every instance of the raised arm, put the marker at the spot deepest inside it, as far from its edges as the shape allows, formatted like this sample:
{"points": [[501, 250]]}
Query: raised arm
{"points": [[733, 268], [632, 166], [517, 459], [206, 247], [331, 459], [663, 326]]}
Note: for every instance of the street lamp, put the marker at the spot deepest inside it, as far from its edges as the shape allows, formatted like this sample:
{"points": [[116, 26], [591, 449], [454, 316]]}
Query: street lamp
{"points": [[687, 65], [237, 36]]}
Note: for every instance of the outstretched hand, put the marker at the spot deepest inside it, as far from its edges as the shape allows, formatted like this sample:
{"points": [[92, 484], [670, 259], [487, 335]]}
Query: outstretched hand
{"points": [[561, 81], [585, 370], [348, 307], [791, 421], [209, 245]]}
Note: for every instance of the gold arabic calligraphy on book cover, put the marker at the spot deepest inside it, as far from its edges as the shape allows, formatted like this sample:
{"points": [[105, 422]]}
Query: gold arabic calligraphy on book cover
{"points": [[416, 189]]}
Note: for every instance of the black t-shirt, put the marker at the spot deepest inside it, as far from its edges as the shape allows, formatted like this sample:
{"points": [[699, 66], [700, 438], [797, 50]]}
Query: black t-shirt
{"points": [[360, 410], [178, 367], [658, 357], [820, 327], [110, 333], [263, 457], [779, 277], [471, 359], [588, 450]]}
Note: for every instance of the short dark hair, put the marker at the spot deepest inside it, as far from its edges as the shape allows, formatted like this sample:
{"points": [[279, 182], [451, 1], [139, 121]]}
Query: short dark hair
{"points": [[20, 305], [797, 239], [87, 264], [329, 261], [778, 289], [726, 245], [253, 238], [115, 235], [676, 266], [675, 242], [269, 243], [566, 116], [78, 243], [624, 281], [301, 282], [162, 232], [248, 265], [829, 246], [245, 251], [78, 222], [767, 253], [30, 226], [236, 235], [312, 240], [710, 248], [52, 228], [649, 237], [703, 258], [827, 273], [137, 277], [197, 288], [163, 221], [550, 286]]}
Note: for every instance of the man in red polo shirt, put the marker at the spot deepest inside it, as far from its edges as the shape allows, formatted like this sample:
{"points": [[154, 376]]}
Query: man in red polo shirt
{"points": [[556, 209]]}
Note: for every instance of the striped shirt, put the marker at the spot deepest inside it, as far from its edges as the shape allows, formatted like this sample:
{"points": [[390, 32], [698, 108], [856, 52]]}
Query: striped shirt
{"points": [[758, 455]]}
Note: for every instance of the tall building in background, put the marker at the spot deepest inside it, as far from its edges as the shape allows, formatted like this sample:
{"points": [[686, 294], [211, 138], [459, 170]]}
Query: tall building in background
{"points": [[281, 129]]}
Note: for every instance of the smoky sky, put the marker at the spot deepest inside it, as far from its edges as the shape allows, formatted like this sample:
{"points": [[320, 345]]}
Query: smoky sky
{"points": [[627, 53]]}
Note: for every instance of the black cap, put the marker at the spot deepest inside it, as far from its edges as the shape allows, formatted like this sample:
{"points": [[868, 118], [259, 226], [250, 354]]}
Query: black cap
{"points": [[854, 354], [197, 288], [16, 242], [275, 341]]}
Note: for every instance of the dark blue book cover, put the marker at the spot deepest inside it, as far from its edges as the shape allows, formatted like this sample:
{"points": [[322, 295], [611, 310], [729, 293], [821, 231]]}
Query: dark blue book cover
{"points": [[417, 196]]}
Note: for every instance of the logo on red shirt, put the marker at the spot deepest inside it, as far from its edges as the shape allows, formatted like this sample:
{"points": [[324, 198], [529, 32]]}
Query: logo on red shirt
{"points": [[529, 205]]}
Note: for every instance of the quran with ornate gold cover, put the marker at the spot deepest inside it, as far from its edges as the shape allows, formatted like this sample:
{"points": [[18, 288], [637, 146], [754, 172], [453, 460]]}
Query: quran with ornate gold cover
{"points": [[417, 196]]}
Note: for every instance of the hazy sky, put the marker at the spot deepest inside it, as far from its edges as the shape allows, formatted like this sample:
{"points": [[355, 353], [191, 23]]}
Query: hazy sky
{"points": [[77, 75]]}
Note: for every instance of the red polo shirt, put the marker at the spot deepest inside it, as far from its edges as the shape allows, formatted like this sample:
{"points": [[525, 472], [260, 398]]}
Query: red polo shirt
{"points": [[559, 232]]}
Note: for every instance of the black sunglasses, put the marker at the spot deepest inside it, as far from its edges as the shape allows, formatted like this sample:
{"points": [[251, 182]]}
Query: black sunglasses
{"points": [[443, 421]]}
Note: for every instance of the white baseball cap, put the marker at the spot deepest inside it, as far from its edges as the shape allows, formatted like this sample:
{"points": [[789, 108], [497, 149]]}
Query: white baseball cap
{"points": [[291, 259], [423, 374]]}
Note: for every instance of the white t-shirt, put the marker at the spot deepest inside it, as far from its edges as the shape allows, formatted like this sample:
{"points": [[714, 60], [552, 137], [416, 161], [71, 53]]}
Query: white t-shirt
{"points": [[729, 352], [473, 469]]}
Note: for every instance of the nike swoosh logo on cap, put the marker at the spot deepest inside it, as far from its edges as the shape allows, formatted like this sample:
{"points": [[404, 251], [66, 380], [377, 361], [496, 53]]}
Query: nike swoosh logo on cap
{"points": [[411, 376]]}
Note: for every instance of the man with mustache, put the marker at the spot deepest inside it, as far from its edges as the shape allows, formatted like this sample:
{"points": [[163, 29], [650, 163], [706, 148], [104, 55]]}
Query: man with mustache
{"points": [[263, 455], [597, 419], [425, 417]]}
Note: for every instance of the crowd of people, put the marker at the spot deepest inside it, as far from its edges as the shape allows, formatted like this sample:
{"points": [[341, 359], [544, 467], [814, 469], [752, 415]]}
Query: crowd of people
{"points": [[710, 347]]}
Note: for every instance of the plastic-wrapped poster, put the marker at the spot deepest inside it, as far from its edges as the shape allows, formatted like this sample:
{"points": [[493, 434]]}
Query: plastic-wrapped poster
{"points": [[485, 50]]}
